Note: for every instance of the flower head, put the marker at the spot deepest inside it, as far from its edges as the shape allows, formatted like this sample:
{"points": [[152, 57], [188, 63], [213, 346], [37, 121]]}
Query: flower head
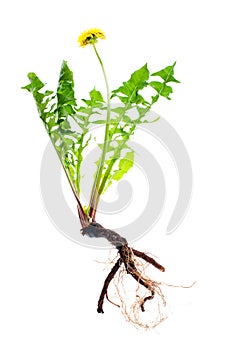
{"points": [[90, 36]]}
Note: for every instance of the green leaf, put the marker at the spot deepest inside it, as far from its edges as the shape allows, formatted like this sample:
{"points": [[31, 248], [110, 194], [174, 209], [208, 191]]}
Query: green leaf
{"points": [[154, 98], [65, 125], [130, 88], [162, 89], [35, 85], [43, 101], [167, 74], [124, 165], [96, 100], [96, 96], [65, 93], [55, 110]]}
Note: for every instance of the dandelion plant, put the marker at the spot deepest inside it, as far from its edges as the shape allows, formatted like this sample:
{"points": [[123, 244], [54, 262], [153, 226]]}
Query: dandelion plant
{"points": [[68, 126]]}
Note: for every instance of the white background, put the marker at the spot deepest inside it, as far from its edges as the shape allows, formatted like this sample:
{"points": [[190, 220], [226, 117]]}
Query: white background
{"points": [[49, 285]]}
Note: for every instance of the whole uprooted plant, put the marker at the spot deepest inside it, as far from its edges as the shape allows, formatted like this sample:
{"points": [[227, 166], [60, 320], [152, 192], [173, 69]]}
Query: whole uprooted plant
{"points": [[59, 112]]}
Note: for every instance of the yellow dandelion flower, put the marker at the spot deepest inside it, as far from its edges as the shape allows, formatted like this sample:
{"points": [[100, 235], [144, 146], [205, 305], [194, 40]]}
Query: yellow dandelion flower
{"points": [[90, 37]]}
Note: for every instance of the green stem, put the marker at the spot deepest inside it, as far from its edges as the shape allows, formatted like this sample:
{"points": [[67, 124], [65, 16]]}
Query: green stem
{"points": [[95, 194]]}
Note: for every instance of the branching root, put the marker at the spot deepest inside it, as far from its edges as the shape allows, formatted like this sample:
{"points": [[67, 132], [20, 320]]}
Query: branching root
{"points": [[133, 302], [131, 263]]}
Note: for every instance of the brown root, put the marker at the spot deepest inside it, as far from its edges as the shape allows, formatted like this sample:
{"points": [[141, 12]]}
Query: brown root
{"points": [[104, 291], [131, 262], [133, 301], [131, 266]]}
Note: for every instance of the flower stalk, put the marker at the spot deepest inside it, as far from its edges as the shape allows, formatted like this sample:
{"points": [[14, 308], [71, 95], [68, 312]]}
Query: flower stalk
{"points": [[95, 193]]}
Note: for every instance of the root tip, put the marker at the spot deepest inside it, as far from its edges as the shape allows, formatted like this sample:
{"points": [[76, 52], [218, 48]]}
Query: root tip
{"points": [[100, 311]]}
